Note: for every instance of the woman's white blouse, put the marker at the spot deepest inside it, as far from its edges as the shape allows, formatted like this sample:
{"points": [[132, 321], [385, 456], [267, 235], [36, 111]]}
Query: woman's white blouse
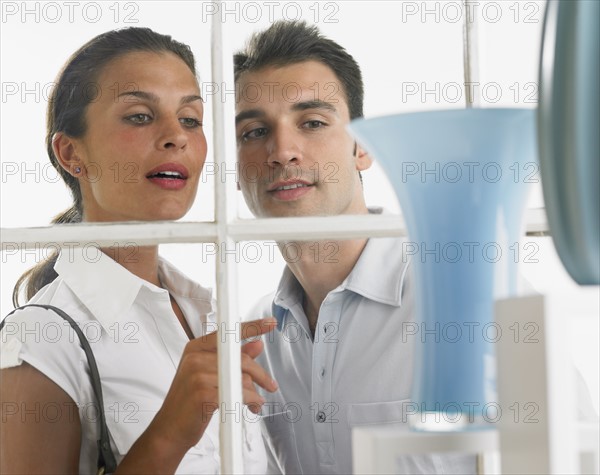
{"points": [[137, 341]]}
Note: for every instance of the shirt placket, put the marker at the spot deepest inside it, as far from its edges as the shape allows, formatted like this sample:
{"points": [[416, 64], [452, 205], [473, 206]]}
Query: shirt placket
{"points": [[170, 330], [323, 408]]}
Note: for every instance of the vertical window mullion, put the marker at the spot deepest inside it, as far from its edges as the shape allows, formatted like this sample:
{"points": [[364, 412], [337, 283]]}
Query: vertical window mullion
{"points": [[230, 383]]}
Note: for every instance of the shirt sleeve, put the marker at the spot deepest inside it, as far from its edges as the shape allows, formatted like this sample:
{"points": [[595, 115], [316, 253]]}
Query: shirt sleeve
{"points": [[48, 343]]}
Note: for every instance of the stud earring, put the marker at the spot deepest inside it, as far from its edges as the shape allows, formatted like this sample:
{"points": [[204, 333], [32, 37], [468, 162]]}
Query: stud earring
{"points": [[77, 170]]}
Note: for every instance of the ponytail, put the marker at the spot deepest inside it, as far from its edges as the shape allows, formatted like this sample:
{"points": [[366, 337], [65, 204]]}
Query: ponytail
{"points": [[43, 273]]}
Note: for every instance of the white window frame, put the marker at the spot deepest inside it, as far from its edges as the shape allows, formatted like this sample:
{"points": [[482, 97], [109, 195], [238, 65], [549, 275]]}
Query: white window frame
{"points": [[226, 230]]}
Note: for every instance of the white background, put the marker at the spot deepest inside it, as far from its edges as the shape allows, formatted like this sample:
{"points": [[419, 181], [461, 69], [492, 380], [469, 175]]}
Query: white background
{"points": [[411, 56]]}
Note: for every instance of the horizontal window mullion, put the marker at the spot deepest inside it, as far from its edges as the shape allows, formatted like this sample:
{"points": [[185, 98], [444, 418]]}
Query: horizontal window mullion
{"points": [[106, 234], [345, 227], [320, 227]]}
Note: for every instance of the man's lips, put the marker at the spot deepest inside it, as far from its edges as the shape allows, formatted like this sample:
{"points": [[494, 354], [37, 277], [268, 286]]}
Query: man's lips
{"points": [[289, 190], [288, 185]]}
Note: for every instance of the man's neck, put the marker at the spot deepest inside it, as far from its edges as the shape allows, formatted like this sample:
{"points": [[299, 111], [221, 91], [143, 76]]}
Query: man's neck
{"points": [[320, 267]]}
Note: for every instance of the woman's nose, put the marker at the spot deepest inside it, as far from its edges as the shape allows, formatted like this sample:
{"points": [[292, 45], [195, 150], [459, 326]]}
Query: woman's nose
{"points": [[172, 135]]}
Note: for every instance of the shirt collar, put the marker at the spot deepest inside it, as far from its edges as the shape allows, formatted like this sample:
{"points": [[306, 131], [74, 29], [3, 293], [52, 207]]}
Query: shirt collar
{"points": [[379, 272], [108, 290], [289, 293], [378, 275], [180, 285], [195, 301]]}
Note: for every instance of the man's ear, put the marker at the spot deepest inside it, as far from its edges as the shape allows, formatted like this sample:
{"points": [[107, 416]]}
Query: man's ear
{"points": [[64, 148], [362, 158]]}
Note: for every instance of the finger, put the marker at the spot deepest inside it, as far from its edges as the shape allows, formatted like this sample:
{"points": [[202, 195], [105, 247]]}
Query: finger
{"points": [[206, 342], [253, 400], [258, 374], [255, 408], [253, 348], [258, 327], [199, 362], [248, 330], [247, 382]]}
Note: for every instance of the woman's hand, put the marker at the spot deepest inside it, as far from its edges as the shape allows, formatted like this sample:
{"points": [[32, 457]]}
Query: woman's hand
{"points": [[194, 393], [194, 396]]}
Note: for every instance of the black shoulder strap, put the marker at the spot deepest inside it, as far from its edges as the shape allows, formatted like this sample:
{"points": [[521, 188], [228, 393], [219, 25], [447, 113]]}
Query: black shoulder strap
{"points": [[106, 459]]}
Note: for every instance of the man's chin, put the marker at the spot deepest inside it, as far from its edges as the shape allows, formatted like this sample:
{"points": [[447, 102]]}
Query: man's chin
{"points": [[291, 213], [290, 209]]}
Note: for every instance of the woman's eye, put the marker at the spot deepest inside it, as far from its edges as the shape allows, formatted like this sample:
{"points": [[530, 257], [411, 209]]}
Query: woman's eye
{"points": [[190, 122], [139, 119], [255, 133]]}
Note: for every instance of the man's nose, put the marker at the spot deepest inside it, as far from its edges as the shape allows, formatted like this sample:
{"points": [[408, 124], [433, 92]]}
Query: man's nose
{"points": [[284, 148]]}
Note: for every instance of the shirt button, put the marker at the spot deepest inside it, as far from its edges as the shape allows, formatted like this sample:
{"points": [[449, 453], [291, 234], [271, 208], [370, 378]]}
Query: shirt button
{"points": [[321, 417]]}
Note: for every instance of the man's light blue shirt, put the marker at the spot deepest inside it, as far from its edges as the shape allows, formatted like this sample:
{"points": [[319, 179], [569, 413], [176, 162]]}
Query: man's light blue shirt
{"points": [[356, 371]]}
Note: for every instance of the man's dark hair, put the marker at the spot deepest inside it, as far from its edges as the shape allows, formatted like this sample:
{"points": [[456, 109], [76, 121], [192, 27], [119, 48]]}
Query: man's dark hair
{"points": [[290, 42]]}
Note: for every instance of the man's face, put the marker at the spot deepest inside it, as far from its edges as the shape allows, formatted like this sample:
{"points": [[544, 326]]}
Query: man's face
{"points": [[295, 156]]}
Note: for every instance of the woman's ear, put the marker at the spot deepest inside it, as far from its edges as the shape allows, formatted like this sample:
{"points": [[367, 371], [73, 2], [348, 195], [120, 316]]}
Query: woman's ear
{"points": [[362, 158], [66, 154]]}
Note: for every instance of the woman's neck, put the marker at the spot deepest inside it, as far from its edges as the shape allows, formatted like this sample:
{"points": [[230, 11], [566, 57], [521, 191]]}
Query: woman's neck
{"points": [[140, 261]]}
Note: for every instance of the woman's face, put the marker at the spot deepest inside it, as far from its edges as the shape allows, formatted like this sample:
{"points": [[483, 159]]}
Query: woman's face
{"points": [[144, 146]]}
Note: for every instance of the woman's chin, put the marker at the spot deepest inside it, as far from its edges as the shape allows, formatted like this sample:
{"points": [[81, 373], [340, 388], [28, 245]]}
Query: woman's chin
{"points": [[167, 216], [134, 218], [168, 212]]}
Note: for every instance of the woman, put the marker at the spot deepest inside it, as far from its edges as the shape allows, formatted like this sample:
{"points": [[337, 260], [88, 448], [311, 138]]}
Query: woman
{"points": [[125, 133]]}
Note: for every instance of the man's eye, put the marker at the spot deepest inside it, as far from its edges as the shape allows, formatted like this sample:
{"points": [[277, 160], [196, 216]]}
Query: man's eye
{"points": [[139, 118], [314, 124], [190, 122], [255, 133]]}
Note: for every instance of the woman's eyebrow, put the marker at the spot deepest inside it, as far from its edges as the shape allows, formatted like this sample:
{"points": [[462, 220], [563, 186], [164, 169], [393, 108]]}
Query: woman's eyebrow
{"points": [[192, 98], [141, 95], [154, 98]]}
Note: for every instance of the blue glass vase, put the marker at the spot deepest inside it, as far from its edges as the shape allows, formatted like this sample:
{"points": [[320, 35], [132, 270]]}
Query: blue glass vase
{"points": [[462, 179]]}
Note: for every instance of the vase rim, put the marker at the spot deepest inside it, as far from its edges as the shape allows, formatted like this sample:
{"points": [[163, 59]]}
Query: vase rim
{"points": [[460, 112]]}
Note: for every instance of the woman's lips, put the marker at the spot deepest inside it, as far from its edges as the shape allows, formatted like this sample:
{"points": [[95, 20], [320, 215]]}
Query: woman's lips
{"points": [[168, 183], [169, 176]]}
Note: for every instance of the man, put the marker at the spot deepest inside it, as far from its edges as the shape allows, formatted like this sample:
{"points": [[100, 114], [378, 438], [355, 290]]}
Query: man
{"points": [[341, 358]]}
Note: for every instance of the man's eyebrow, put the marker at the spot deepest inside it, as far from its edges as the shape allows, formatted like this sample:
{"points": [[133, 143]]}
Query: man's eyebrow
{"points": [[154, 98], [249, 114], [316, 104], [299, 106]]}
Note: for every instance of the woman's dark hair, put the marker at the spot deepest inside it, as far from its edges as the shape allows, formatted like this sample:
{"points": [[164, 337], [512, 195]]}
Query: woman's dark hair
{"points": [[74, 89]]}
